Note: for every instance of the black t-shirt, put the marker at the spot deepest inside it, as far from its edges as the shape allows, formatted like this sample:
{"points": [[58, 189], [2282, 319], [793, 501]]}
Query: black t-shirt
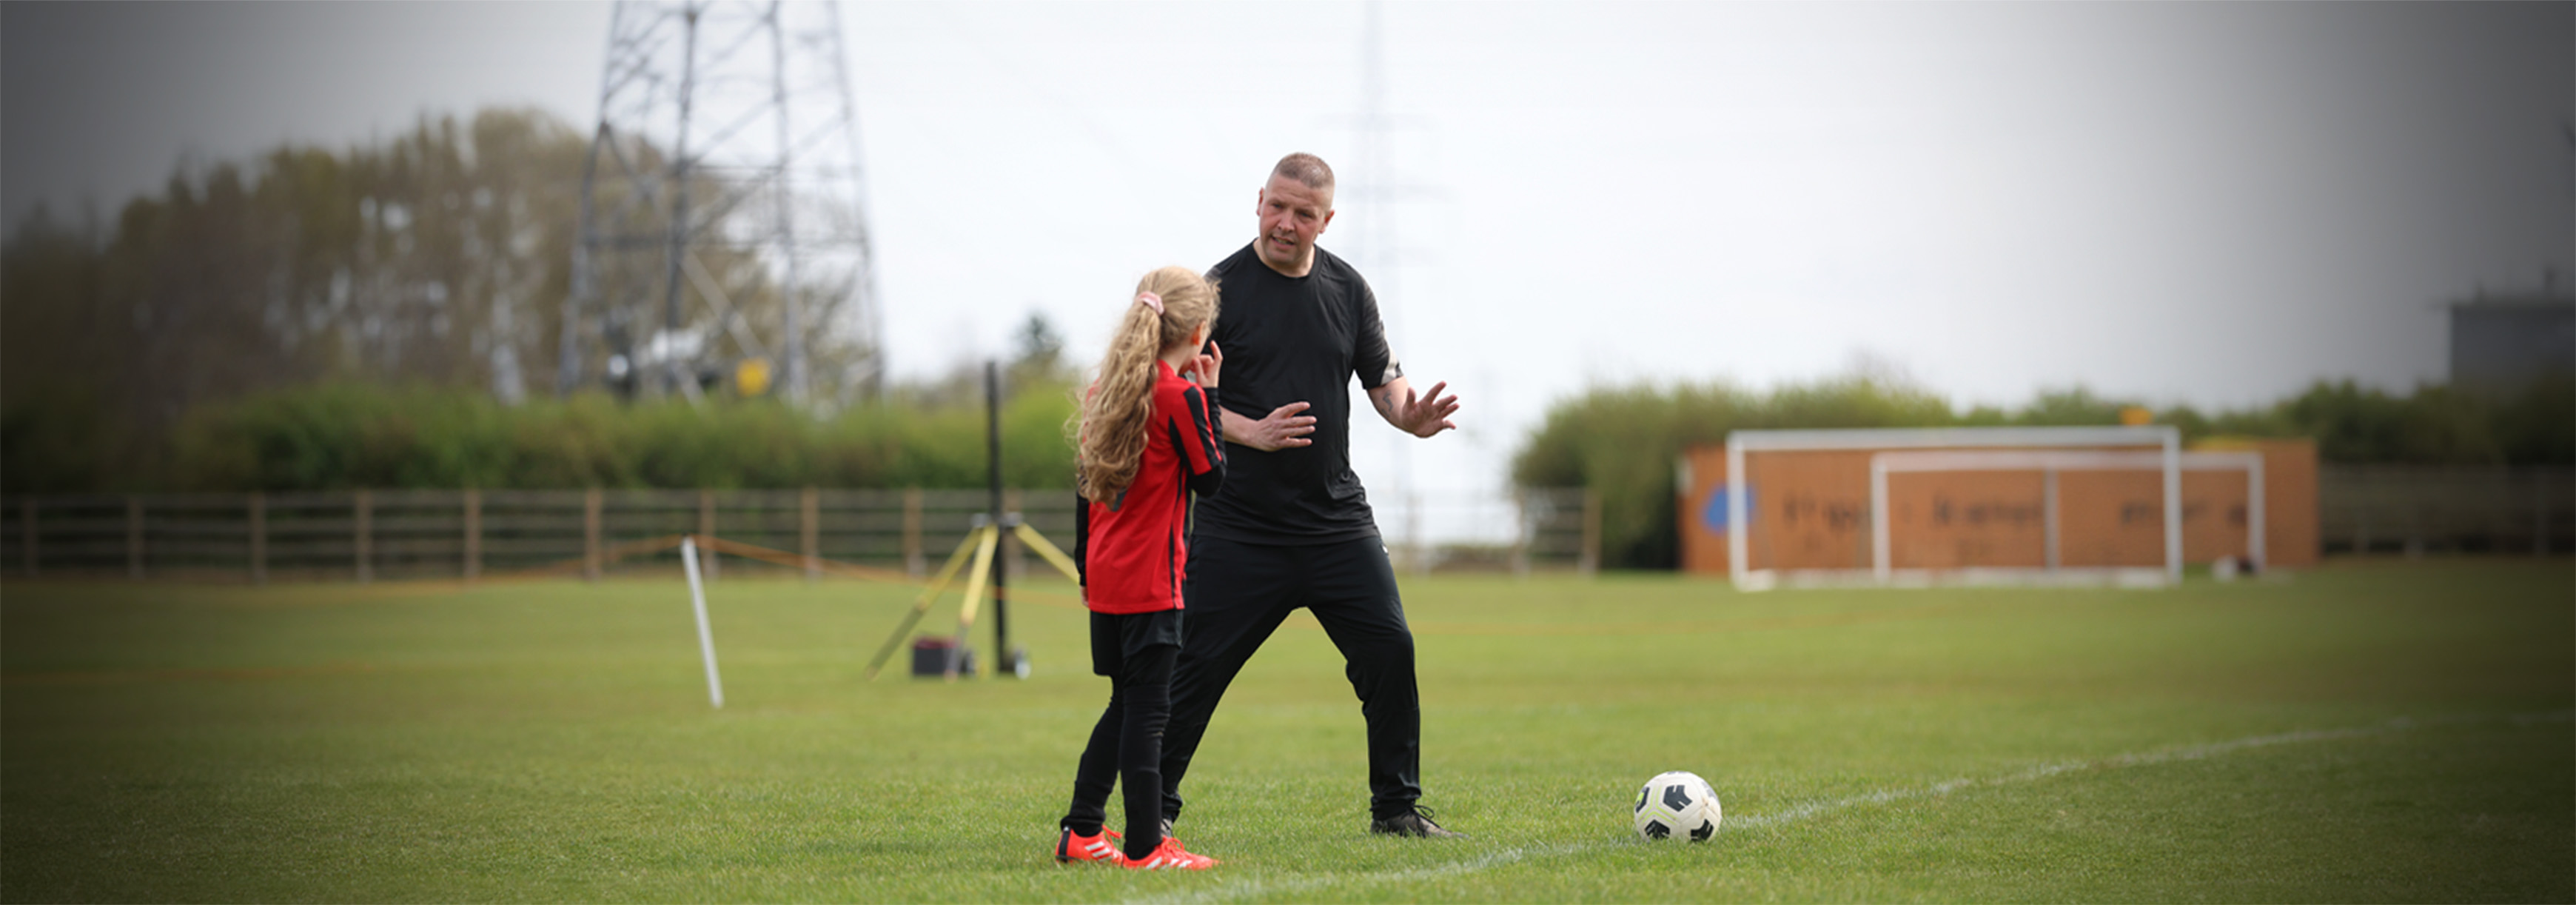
{"points": [[1295, 339]]}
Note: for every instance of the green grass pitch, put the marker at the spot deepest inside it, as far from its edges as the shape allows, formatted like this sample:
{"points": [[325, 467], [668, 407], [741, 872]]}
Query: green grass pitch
{"points": [[2365, 732]]}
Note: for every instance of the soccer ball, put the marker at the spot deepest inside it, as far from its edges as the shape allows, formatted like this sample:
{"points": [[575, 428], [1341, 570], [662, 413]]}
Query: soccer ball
{"points": [[1677, 805]]}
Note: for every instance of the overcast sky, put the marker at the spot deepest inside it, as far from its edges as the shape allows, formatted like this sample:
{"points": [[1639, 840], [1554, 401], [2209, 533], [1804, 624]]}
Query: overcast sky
{"points": [[2203, 203]]}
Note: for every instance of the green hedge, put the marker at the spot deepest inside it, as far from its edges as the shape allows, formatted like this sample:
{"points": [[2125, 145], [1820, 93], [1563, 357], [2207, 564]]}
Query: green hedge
{"points": [[354, 435], [1619, 441]]}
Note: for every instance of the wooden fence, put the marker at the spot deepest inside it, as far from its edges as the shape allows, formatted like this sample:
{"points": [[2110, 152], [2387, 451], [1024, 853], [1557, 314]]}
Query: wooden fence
{"points": [[365, 535], [2377, 509]]}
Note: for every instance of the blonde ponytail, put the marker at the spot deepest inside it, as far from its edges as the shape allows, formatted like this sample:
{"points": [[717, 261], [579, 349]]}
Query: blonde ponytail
{"points": [[1110, 438]]}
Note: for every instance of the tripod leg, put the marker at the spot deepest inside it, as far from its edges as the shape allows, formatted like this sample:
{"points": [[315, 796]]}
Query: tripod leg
{"points": [[922, 604], [1047, 551], [892, 642], [987, 538]]}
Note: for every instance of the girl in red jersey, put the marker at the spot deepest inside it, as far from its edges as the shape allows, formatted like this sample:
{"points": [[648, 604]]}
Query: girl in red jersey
{"points": [[1148, 439]]}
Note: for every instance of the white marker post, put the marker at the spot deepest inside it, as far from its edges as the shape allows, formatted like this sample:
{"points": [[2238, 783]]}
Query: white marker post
{"points": [[706, 635]]}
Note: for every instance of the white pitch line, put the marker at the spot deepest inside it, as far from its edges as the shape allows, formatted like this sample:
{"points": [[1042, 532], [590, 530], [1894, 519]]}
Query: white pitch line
{"points": [[1258, 888]]}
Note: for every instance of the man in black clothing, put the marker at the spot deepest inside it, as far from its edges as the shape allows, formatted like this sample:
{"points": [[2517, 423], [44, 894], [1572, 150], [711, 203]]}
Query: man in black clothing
{"points": [[1292, 527]]}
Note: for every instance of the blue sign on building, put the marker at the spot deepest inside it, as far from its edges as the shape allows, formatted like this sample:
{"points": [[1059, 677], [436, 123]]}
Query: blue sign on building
{"points": [[1713, 515]]}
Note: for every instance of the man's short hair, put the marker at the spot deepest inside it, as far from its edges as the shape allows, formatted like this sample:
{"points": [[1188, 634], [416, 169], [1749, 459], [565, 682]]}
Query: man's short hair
{"points": [[1309, 171]]}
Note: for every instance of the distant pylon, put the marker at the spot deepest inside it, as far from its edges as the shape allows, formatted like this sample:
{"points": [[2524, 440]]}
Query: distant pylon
{"points": [[1376, 190], [722, 203]]}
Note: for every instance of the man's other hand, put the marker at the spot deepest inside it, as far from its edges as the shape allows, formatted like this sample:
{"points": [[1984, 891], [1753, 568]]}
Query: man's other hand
{"points": [[1282, 429]]}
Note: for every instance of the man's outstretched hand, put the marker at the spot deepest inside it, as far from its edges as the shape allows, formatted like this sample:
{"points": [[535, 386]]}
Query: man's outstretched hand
{"points": [[1421, 415], [1283, 428]]}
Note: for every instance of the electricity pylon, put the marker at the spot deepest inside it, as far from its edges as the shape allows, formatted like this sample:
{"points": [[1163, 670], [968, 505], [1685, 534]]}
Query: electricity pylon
{"points": [[1375, 191], [722, 203]]}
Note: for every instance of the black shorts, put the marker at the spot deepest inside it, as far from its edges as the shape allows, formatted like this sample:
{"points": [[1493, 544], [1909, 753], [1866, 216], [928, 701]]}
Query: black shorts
{"points": [[1118, 636]]}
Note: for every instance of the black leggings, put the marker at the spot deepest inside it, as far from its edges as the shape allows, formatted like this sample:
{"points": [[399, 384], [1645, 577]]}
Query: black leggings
{"points": [[1127, 748]]}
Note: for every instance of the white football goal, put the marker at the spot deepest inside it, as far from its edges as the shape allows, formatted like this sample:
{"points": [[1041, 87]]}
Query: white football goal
{"points": [[1828, 516]]}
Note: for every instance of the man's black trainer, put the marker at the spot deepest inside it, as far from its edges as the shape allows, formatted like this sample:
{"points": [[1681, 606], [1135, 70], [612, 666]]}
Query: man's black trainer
{"points": [[1416, 822]]}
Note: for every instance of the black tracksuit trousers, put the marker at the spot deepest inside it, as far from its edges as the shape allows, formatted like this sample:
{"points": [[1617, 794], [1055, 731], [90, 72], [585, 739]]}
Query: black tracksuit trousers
{"points": [[1238, 593]]}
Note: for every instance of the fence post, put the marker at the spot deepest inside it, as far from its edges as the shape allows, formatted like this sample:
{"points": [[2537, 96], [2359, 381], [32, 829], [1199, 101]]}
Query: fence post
{"points": [[2414, 548], [134, 537], [473, 534], [364, 508], [810, 517], [1589, 562], [590, 504], [707, 559], [258, 538], [27, 515], [1522, 526], [2539, 519], [912, 561]]}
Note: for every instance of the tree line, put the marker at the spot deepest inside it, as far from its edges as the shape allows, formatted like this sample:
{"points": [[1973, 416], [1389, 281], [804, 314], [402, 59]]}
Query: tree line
{"points": [[440, 256]]}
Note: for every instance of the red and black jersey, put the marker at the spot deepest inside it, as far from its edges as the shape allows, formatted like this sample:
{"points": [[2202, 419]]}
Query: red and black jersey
{"points": [[1133, 552]]}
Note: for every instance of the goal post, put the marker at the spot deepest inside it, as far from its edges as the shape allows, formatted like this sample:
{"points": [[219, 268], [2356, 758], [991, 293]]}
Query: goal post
{"points": [[1843, 464]]}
